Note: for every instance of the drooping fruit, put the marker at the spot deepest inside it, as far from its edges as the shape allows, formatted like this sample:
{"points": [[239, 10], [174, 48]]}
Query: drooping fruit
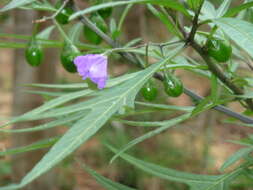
{"points": [[34, 53], [172, 85], [218, 49], [149, 91]]}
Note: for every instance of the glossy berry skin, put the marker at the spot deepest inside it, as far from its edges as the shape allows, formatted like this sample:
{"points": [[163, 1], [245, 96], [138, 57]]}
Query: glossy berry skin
{"points": [[172, 85], [149, 92], [33, 55], [63, 16], [89, 34], [105, 13], [220, 50], [67, 58]]}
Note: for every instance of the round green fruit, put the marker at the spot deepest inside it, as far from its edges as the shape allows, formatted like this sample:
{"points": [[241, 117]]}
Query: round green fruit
{"points": [[105, 13], [34, 54], [172, 85], [89, 34], [218, 49], [63, 16], [149, 92], [67, 60]]}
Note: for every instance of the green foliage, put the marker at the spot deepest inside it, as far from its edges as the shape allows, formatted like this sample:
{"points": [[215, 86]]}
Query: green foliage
{"points": [[84, 111], [200, 182], [106, 183]]}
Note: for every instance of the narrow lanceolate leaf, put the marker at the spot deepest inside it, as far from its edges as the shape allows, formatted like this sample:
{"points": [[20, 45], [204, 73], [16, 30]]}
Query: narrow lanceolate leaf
{"points": [[37, 113], [107, 103], [214, 88], [74, 33], [15, 4], [46, 111], [173, 4], [45, 34], [169, 25], [58, 122], [233, 11], [241, 32], [195, 181], [111, 83], [35, 146], [235, 157], [164, 126], [165, 106], [223, 8], [105, 182]]}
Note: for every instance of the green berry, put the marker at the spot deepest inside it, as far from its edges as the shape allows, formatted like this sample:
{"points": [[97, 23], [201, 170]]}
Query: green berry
{"points": [[149, 92], [33, 54], [218, 49], [172, 85], [63, 16], [67, 59]]}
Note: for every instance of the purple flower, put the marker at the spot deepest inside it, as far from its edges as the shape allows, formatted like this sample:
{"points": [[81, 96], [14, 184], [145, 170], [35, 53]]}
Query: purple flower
{"points": [[93, 66]]}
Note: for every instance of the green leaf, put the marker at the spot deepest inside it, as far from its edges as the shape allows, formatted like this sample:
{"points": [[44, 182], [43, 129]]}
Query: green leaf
{"points": [[75, 32], [233, 11], [40, 6], [114, 29], [108, 102], [15, 4], [195, 181], [144, 123], [202, 105], [166, 107], [214, 88], [235, 157], [241, 32], [37, 114], [57, 122], [223, 8], [45, 34], [112, 82], [169, 25], [194, 4], [105, 182], [45, 93], [164, 126], [208, 11], [49, 105], [173, 4], [35, 146]]}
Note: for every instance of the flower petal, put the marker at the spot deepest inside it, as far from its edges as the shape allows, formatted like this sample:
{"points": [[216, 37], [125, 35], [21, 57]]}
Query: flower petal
{"points": [[93, 66]]}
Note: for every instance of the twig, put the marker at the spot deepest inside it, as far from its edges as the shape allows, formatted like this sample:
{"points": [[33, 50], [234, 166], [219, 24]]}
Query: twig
{"points": [[46, 18], [194, 25]]}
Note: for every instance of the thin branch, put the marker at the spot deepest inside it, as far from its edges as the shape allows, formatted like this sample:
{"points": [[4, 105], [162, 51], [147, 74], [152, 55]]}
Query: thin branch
{"points": [[46, 18], [195, 25]]}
